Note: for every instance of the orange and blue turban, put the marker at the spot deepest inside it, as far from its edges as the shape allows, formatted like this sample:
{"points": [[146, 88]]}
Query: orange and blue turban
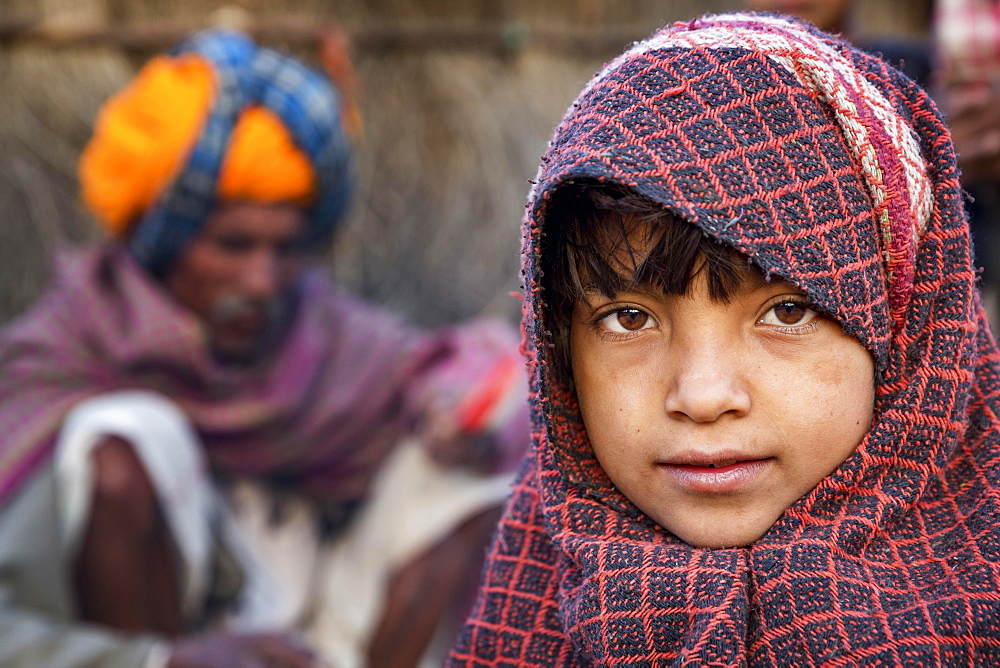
{"points": [[217, 119]]}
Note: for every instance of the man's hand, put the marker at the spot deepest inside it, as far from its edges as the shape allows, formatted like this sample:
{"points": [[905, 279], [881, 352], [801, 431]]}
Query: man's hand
{"points": [[452, 446], [218, 650]]}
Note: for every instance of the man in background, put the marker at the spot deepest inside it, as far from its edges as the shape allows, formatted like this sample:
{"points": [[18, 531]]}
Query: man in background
{"points": [[197, 365]]}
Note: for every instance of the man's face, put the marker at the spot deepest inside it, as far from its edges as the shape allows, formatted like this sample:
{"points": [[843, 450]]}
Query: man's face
{"points": [[714, 418], [826, 15], [236, 275]]}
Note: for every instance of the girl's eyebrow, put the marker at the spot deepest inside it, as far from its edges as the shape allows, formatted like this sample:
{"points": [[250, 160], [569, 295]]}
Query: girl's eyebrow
{"points": [[757, 281], [754, 280], [646, 289]]}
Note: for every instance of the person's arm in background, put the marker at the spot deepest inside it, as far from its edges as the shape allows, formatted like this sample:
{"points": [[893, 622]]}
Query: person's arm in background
{"points": [[36, 608], [35, 603]]}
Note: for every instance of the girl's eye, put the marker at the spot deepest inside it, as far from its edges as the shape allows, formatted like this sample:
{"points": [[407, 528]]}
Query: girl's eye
{"points": [[788, 314], [627, 320]]}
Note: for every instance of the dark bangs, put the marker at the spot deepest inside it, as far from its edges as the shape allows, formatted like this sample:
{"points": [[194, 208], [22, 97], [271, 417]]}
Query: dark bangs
{"points": [[590, 237]]}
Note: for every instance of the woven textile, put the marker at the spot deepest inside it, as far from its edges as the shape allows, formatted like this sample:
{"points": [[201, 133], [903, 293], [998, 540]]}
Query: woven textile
{"points": [[833, 171], [246, 74]]}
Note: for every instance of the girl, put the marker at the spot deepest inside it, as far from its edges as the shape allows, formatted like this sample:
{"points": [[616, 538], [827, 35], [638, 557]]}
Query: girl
{"points": [[764, 388]]}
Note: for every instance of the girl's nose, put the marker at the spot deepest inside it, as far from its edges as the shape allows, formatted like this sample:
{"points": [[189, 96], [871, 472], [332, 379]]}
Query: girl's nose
{"points": [[706, 382]]}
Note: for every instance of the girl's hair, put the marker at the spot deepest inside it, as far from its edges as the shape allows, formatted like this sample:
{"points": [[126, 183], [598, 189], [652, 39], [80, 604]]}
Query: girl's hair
{"points": [[590, 231]]}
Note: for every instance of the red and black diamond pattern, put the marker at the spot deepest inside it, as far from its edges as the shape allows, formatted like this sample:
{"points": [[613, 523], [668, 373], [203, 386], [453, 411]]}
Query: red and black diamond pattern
{"points": [[894, 559]]}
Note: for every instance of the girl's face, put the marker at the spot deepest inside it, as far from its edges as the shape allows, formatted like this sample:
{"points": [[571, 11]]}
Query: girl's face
{"points": [[713, 418]]}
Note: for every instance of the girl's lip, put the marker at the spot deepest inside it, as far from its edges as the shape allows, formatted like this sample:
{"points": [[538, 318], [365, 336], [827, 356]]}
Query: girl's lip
{"points": [[708, 479]]}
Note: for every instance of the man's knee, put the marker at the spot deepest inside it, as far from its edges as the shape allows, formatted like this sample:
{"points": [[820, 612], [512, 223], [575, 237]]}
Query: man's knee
{"points": [[123, 494]]}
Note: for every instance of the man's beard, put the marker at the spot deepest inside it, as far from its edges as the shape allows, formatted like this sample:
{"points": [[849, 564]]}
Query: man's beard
{"points": [[228, 311]]}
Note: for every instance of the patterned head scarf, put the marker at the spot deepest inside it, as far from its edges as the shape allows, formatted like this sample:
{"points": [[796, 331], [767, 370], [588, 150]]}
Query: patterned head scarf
{"points": [[833, 171], [189, 132]]}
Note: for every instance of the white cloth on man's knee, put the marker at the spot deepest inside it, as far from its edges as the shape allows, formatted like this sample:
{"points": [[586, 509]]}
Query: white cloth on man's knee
{"points": [[168, 448], [415, 503]]}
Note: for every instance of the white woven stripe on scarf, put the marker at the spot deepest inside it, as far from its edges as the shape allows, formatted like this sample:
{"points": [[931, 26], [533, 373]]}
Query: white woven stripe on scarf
{"points": [[821, 68]]}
